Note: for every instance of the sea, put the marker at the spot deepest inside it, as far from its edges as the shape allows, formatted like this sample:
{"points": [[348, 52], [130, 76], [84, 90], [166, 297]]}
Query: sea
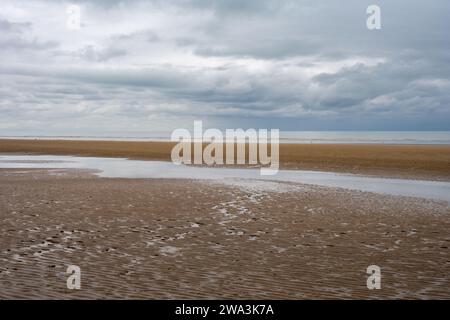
{"points": [[302, 137]]}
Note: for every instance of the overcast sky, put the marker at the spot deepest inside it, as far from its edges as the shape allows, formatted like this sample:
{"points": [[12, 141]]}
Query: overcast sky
{"points": [[138, 66]]}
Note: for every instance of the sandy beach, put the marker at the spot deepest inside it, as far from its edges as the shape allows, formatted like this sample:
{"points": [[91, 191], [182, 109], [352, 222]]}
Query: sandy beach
{"points": [[183, 239], [224, 150], [431, 162]]}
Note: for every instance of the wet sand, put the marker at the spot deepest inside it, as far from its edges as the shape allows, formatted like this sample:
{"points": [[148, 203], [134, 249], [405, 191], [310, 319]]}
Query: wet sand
{"points": [[167, 239], [428, 162]]}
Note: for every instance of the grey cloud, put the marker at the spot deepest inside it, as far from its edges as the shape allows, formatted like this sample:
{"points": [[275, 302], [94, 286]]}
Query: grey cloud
{"points": [[7, 26], [22, 44], [297, 65], [90, 53], [13, 37]]}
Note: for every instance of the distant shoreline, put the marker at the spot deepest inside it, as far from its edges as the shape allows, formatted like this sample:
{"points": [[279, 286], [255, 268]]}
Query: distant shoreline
{"points": [[429, 162], [288, 137]]}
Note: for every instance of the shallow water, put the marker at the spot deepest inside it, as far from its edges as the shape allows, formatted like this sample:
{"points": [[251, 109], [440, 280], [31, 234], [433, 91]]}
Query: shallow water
{"points": [[124, 168]]}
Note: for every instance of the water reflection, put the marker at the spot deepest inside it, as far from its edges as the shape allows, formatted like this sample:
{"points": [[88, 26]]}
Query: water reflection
{"points": [[124, 168]]}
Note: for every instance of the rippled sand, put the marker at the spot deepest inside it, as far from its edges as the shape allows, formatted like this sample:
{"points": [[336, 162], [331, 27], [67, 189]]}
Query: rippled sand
{"points": [[163, 239]]}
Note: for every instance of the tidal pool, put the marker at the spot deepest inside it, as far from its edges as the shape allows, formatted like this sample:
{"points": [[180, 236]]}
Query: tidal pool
{"points": [[125, 168]]}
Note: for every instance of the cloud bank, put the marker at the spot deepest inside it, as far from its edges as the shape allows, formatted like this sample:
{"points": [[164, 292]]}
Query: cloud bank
{"points": [[137, 66]]}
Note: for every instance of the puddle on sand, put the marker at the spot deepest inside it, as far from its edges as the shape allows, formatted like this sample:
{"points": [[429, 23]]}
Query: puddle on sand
{"points": [[124, 168]]}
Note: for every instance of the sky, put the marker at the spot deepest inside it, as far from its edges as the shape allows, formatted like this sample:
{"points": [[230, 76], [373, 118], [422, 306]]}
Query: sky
{"points": [[143, 66]]}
